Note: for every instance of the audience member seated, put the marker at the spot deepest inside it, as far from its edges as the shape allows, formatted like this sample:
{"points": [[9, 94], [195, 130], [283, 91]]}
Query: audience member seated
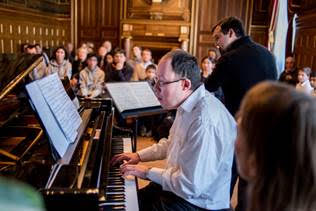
{"points": [[108, 45], [207, 66], [151, 74], [214, 53], [60, 64], [108, 59], [80, 62], [101, 53], [30, 49], [147, 124], [139, 69], [276, 146], [303, 80], [39, 50], [137, 55], [289, 75], [91, 78], [90, 47], [199, 150], [70, 51], [119, 70], [40, 71], [146, 58], [313, 82]]}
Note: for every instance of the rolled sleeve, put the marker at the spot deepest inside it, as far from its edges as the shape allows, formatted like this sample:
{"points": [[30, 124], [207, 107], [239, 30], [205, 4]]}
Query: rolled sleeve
{"points": [[155, 152]]}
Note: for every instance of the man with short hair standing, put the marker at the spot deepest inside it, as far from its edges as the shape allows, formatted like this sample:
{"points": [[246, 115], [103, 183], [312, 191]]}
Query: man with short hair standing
{"points": [[243, 64], [198, 151]]}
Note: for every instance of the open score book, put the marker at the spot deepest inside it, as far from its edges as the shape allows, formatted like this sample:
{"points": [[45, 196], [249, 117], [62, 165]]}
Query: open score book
{"points": [[56, 111], [132, 95]]}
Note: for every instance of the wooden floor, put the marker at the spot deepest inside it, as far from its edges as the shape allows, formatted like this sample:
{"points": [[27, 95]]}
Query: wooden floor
{"points": [[143, 142]]}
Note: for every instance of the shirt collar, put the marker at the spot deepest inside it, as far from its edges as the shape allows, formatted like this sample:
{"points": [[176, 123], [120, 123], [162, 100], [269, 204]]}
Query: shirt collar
{"points": [[193, 99]]}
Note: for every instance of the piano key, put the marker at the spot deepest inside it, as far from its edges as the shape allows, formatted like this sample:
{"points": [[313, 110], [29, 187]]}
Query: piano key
{"points": [[113, 207], [119, 189]]}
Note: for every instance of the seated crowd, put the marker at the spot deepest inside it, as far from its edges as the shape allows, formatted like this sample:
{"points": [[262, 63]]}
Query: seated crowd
{"points": [[88, 70]]}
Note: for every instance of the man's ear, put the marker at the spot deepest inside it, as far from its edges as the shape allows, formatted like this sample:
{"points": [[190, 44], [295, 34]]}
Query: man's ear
{"points": [[186, 84], [231, 33]]}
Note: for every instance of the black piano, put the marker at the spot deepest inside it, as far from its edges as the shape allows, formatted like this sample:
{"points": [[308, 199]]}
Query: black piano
{"points": [[82, 178]]}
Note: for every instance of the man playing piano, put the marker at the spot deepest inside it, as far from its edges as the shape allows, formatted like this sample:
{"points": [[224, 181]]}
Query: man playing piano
{"points": [[199, 150]]}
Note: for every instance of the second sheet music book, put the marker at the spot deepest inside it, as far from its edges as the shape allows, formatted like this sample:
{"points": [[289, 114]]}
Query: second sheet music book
{"points": [[132, 95]]}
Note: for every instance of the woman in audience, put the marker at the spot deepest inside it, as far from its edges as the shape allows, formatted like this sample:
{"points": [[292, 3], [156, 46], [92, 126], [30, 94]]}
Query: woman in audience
{"points": [[60, 64], [108, 60], [276, 146], [214, 53], [207, 66]]}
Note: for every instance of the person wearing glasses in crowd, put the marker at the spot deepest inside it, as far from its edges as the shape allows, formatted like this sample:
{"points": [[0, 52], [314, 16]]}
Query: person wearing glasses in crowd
{"points": [[198, 151]]}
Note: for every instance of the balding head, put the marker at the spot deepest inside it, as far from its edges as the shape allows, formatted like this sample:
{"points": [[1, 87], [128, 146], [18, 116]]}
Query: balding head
{"points": [[289, 63]]}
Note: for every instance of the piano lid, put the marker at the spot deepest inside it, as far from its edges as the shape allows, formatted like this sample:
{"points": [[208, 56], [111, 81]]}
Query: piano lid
{"points": [[16, 71]]}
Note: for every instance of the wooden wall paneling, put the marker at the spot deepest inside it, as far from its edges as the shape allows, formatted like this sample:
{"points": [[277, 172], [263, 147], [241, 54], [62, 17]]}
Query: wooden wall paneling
{"points": [[88, 16], [305, 42], [158, 26], [259, 27], [305, 48], [24, 26], [98, 20], [171, 10], [110, 21], [209, 12]]}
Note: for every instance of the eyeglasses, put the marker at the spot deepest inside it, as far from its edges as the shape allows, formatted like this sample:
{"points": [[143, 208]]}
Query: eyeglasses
{"points": [[159, 83]]}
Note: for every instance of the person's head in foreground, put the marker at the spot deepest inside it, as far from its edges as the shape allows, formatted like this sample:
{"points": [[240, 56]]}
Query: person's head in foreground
{"points": [[276, 147], [178, 75]]}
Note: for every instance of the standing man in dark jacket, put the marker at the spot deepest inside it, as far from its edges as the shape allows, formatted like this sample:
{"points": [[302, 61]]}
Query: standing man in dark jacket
{"points": [[243, 64]]}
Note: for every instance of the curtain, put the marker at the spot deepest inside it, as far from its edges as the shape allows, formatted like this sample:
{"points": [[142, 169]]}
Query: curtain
{"points": [[277, 32]]}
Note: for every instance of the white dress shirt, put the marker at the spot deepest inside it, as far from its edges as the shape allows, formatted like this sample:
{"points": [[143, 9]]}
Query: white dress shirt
{"points": [[199, 152], [304, 87]]}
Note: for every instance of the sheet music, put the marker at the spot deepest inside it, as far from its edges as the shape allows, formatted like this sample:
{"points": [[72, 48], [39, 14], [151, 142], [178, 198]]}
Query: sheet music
{"points": [[57, 112], [61, 106], [56, 136], [132, 95]]}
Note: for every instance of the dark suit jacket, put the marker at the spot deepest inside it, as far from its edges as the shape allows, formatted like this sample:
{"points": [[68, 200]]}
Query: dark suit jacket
{"points": [[243, 65]]}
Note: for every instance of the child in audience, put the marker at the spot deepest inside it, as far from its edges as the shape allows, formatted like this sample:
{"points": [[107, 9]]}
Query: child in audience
{"points": [[312, 80], [303, 80], [91, 78], [151, 74], [276, 146]]}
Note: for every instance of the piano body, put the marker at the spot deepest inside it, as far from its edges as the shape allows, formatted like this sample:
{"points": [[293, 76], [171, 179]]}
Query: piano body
{"points": [[83, 178]]}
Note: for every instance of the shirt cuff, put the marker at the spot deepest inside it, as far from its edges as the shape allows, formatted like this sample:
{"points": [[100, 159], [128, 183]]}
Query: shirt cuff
{"points": [[155, 175], [145, 154]]}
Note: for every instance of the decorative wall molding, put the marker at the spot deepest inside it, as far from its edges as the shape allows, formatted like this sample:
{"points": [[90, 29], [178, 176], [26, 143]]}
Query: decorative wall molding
{"points": [[18, 27]]}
